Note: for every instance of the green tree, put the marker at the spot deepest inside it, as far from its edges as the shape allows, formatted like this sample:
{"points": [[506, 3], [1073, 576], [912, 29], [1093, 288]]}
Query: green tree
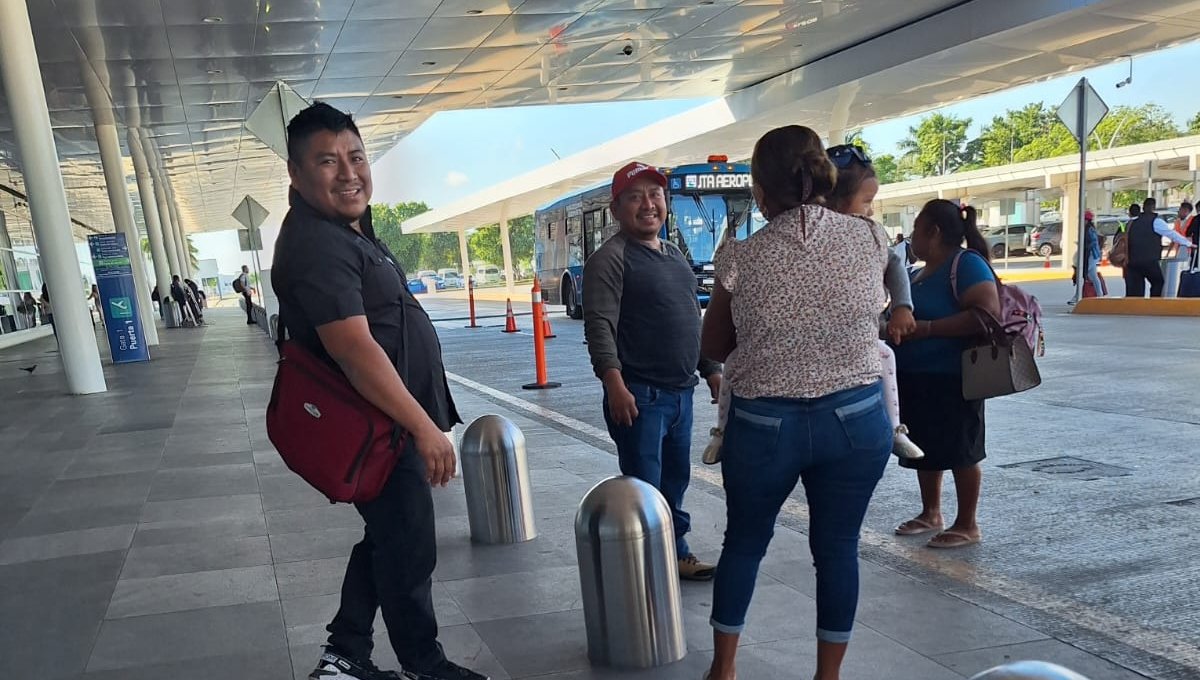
{"points": [[856, 137], [938, 144], [193, 253], [1121, 200], [1126, 125], [440, 251], [887, 169], [1021, 135], [408, 248], [1193, 127], [1057, 141], [484, 243]]}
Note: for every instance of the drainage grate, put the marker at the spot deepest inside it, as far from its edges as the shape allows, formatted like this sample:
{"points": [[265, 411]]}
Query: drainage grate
{"points": [[1069, 466]]}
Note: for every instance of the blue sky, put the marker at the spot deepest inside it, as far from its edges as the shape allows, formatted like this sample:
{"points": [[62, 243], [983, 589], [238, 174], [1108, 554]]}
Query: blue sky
{"points": [[456, 153]]}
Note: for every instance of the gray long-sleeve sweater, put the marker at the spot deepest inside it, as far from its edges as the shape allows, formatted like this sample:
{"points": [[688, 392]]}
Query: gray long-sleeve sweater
{"points": [[641, 315], [895, 279]]}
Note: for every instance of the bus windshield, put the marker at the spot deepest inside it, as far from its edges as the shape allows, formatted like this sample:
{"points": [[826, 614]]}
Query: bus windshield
{"points": [[700, 221]]}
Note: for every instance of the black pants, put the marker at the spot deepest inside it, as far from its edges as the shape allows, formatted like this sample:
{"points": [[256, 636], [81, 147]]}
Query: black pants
{"points": [[1136, 276], [392, 568], [249, 307]]}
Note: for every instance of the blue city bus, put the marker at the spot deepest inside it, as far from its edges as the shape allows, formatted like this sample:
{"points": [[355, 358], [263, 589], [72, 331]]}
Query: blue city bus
{"points": [[706, 202]]}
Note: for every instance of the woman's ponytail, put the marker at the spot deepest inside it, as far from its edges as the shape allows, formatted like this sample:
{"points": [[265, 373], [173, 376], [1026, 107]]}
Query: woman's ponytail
{"points": [[975, 240]]}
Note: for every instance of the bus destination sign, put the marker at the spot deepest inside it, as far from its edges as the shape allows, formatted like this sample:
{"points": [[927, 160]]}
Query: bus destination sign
{"points": [[717, 181]]}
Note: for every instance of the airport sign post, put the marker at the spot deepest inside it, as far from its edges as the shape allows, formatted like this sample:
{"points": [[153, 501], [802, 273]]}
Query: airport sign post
{"points": [[118, 297], [250, 214], [1081, 112]]}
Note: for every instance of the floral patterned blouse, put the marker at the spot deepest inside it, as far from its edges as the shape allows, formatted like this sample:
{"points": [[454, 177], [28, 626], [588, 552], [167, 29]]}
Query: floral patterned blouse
{"points": [[807, 295]]}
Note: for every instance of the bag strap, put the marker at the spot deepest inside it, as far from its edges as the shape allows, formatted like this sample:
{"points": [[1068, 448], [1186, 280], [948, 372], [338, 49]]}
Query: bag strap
{"points": [[993, 327]]}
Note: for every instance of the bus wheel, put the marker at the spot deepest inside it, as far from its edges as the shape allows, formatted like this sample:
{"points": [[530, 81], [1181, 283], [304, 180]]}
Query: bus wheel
{"points": [[574, 309]]}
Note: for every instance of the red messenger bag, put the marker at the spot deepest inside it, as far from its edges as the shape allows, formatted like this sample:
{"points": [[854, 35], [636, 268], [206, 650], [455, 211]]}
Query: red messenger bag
{"points": [[325, 431]]}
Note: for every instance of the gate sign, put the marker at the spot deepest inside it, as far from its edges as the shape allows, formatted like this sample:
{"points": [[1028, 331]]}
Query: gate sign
{"points": [[118, 297]]}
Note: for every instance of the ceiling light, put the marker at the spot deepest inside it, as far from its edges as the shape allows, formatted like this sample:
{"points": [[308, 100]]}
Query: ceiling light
{"points": [[473, 12], [214, 19], [562, 88], [428, 63], [215, 71], [706, 2]]}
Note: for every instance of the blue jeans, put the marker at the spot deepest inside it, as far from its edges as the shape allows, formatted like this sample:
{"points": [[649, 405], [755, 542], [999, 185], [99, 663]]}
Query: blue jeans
{"points": [[657, 448], [838, 446], [1094, 276]]}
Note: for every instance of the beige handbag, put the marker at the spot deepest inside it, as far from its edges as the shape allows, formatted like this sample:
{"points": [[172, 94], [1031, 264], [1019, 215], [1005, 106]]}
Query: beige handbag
{"points": [[1000, 363]]}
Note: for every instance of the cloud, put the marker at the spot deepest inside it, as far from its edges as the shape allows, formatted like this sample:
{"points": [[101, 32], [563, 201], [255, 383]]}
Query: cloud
{"points": [[454, 178]]}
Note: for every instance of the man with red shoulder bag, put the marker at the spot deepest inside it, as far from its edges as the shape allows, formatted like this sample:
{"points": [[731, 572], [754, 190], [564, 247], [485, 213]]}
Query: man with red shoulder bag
{"points": [[344, 299]]}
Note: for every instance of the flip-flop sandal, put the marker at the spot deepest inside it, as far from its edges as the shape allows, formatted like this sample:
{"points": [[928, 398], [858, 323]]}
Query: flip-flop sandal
{"points": [[914, 527], [951, 539]]}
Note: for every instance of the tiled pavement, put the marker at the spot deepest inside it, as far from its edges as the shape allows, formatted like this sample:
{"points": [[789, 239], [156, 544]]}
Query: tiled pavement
{"points": [[152, 532]]}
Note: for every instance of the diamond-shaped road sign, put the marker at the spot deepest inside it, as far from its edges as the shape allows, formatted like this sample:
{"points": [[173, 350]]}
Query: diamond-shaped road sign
{"points": [[269, 119], [250, 214], [1094, 109]]}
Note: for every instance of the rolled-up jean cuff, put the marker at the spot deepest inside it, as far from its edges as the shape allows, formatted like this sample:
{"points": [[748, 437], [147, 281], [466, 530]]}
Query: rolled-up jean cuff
{"points": [[722, 628], [841, 636]]}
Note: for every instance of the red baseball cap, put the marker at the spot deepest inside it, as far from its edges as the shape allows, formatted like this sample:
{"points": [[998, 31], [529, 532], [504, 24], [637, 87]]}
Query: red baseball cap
{"points": [[628, 174], [1087, 215]]}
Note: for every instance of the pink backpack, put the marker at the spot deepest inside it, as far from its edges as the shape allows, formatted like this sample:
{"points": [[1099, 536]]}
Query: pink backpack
{"points": [[1020, 313]]}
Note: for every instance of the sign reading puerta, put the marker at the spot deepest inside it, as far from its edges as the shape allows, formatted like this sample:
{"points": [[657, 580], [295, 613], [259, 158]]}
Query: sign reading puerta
{"points": [[118, 297]]}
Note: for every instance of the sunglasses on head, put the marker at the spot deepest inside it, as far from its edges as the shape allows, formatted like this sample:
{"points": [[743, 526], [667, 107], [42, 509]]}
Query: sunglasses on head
{"points": [[843, 154]]}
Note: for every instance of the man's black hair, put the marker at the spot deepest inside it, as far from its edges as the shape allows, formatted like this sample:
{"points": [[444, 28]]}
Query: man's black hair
{"points": [[1134, 210], [1149, 205], [1186, 204], [320, 116]]}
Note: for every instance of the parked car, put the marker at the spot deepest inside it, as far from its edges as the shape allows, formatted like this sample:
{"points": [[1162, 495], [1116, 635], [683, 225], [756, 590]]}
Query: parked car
{"points": [[1007, 240], [417, 286], [451, 278], [1046, 239], [488, 273]]}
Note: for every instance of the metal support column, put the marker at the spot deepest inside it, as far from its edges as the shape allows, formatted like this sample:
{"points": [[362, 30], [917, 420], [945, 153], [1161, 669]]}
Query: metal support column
{"points": [[107, 138], [168, 229], [464, 254], [510, 277], [38, 154], [1071, 211], [158, 250], [185, 250]]}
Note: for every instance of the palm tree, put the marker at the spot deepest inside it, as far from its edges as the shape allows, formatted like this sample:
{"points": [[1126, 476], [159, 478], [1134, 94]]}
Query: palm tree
{"points": [[193, 251]]}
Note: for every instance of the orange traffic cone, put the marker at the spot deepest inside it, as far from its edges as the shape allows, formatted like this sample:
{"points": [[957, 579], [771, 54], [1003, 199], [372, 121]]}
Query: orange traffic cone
{"points": [[1103, 258], [510, 321], [546, 332], [1046, 264]]}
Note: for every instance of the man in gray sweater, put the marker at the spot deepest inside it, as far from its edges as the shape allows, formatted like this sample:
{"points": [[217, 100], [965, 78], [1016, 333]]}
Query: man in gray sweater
{"points": [[642, 324]]}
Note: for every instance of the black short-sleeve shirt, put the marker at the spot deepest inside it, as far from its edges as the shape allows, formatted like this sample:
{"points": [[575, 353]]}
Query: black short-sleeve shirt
{"points": [[325, 271]]}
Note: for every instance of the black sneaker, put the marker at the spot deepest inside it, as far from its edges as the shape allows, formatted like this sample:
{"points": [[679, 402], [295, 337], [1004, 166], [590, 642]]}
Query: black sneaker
{"points": [[445, 670], [334, 666]]}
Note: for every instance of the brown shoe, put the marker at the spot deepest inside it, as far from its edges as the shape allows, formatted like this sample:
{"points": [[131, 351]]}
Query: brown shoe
{"points": [[692, 569]]}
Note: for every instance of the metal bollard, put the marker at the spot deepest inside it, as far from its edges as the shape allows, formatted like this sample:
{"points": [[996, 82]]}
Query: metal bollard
{"points": [[630, 577], [1029, 670], [499, 502]]}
